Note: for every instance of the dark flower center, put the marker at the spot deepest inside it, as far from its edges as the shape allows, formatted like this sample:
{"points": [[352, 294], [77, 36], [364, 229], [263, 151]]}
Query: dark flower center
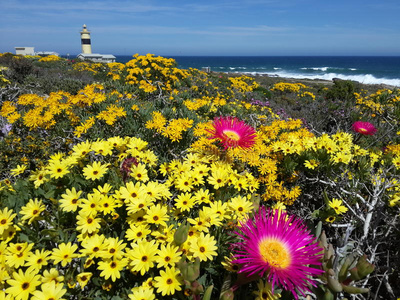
{"points": [[25, 285]]}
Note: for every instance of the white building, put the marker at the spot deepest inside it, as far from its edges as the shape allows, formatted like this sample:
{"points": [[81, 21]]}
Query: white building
{"points": [[25, 51], [95, 57], [46, 53], [31, 51]]}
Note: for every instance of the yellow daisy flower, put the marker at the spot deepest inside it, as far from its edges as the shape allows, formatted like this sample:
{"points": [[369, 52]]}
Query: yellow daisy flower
{"points": [[23, 284], [95, 171], [168, 282], [204, 247], [337, 205]]}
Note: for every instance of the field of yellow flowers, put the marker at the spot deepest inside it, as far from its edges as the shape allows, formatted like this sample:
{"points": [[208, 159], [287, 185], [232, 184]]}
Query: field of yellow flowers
{"points": [[146, 181]]}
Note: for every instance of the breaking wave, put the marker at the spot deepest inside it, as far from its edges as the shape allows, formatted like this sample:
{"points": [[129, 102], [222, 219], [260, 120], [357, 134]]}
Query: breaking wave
{"points": [[362, 78]]}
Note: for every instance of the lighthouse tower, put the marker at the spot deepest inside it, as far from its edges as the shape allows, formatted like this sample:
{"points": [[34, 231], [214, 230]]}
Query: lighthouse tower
{"points": [[85, 41]]}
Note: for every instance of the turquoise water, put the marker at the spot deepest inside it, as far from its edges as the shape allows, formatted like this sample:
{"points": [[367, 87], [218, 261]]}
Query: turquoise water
{"points": [[364, 69]]}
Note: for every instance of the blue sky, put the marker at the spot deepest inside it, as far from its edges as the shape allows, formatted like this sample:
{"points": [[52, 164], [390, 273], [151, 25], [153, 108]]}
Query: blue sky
{"points": [[235, 27]]}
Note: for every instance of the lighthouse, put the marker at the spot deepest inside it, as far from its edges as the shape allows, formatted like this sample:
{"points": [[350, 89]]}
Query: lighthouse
{"points": [[87, 50], [85, 41]]}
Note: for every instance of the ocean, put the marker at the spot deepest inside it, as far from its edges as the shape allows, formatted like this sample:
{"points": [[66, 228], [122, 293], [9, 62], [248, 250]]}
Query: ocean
{"points": [[364, 69]]}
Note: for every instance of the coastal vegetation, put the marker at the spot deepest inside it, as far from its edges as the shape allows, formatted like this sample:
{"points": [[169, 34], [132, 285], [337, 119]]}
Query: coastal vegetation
{"points": [[146, 181]]}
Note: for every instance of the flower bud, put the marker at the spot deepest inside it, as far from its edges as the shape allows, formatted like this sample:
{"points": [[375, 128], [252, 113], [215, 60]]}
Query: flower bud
{"points": [[193, 270], [181, 234]]}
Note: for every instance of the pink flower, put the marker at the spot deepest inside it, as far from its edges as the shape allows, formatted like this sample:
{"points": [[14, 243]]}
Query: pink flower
{"points": [[279, 247], [233, 133], [364, 128]]}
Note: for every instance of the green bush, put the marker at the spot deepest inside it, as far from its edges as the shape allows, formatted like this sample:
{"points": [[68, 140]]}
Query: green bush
{"points": [[343, 90]]}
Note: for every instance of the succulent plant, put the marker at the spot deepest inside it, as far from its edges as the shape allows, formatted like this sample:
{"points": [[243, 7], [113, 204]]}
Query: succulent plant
{"points": [[341, 274]]}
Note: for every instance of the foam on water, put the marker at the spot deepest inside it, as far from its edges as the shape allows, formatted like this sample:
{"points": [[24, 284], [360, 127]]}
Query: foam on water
{"points": [[323, 69], [363, 78]]}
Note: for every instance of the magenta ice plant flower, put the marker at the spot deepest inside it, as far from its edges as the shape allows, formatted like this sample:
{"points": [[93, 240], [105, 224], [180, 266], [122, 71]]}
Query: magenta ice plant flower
{"points": [[364, 128], [280, 248], [233, 133]]}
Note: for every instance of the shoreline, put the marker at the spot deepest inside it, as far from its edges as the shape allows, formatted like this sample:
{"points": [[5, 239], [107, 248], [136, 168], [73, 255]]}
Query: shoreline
{"points": [[317, 81]]}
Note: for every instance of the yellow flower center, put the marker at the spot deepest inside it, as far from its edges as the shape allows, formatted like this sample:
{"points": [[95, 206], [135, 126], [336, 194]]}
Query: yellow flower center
{"points": [[362, 130], [275, 253], [231, 135]]}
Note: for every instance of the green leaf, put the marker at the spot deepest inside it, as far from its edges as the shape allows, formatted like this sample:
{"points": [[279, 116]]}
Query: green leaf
{"points": [[24, 238]]}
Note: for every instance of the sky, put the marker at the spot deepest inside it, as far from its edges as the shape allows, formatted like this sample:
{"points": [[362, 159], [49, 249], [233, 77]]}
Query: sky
{"points": [[209, 27]]}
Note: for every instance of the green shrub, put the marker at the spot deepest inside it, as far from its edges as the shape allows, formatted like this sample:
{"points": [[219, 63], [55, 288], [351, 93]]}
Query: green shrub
{"points": [[343, 90]]}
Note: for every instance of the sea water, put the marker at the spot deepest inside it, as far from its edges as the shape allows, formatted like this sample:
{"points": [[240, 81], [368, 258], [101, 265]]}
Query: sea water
{"points": [[364, 69]]}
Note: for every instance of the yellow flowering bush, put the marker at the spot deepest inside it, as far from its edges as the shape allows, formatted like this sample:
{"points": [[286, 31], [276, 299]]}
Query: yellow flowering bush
{"points": [[151, 72], [288, 87], [50, 58]]}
